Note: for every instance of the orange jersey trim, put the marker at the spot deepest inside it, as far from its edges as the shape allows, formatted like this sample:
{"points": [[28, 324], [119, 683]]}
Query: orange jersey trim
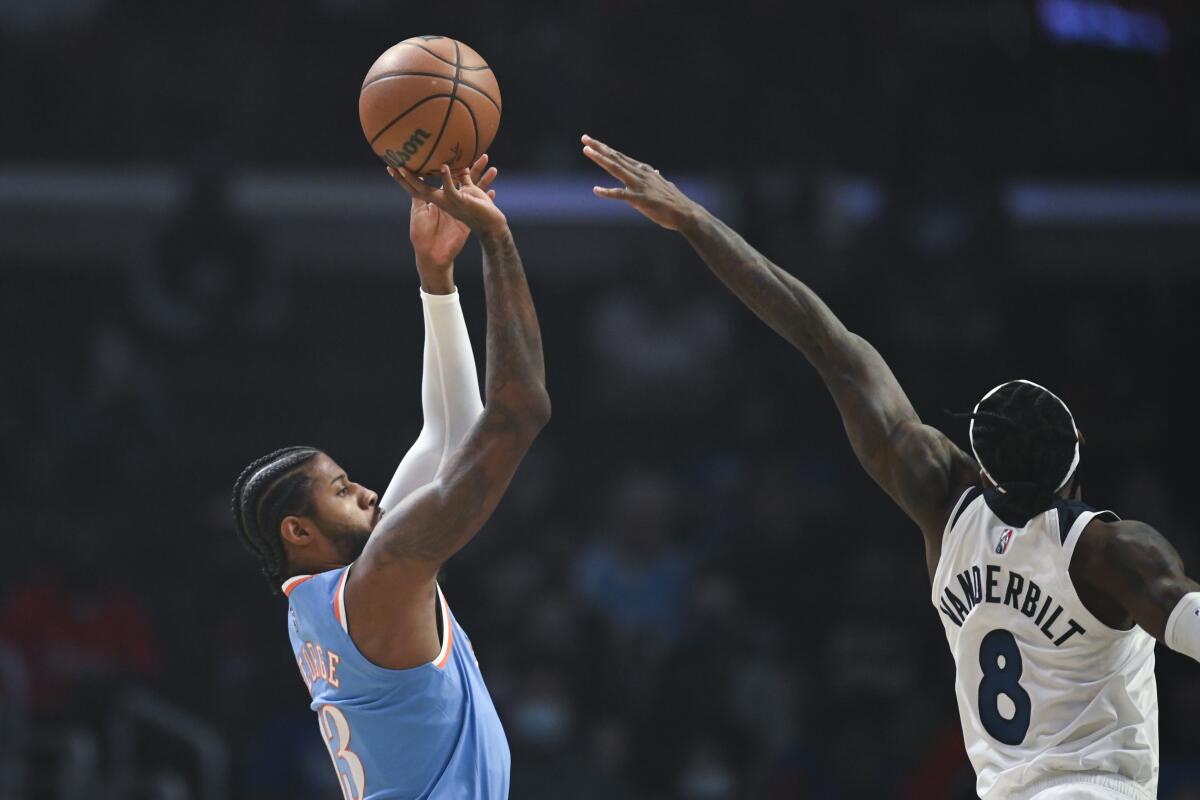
{"points": [[291, 583], [448, 624], [339, 601]]}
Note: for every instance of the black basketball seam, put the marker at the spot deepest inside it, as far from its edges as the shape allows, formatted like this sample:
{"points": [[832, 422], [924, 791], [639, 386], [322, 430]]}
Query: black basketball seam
{"points": [[401, 73], [446, 60], [446, 119], [405, 113], [474, 125], [486, 96]]}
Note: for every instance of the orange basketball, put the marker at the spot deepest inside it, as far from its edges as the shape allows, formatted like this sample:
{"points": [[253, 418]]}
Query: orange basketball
{"points": [[429, 101]]}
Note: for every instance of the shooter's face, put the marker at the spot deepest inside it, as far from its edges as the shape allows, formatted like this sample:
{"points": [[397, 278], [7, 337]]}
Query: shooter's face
{"points": [[345, 512]]}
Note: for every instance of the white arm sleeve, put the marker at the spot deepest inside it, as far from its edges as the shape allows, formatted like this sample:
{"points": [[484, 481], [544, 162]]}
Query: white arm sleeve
{"points": [[1183, 627], [450, 396]]}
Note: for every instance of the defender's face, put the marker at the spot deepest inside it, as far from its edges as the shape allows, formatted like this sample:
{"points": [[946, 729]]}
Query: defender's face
{"points": [[345, 512]]}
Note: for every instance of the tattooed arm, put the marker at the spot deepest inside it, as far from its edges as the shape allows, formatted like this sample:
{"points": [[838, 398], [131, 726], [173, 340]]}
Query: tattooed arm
{"points": [[922, 470], [390, 590]]}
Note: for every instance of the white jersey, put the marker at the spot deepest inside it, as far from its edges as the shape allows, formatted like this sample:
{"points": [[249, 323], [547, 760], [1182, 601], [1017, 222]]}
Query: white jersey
{"points": [[1045, 690]]}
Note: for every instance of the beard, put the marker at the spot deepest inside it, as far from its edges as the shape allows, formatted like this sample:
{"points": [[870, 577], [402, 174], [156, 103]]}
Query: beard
{"points": [[348, 540]]}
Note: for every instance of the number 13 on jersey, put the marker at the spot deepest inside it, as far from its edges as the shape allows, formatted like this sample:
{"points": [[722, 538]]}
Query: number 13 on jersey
{"points": [[336, 732]]}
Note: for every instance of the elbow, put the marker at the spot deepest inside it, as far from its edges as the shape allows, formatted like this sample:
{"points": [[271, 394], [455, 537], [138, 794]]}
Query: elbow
{"points": [[526, 410], [537, 411]]}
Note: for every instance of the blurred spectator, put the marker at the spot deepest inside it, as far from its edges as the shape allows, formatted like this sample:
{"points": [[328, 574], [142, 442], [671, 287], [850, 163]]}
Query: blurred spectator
{"points": [[208, 277], [632, 573], [288, 761], [869, 653], [82, 633], [658, 339]]}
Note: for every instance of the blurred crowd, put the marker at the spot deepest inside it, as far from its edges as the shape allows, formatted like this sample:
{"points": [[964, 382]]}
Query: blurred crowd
{"points": [[691, 592], [867, 85]]}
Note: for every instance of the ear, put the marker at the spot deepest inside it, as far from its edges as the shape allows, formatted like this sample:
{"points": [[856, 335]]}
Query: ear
{"points": [[296, 531]]}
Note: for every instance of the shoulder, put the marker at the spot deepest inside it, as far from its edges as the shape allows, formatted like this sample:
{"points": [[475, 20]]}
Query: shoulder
{"points": [[1076, 516], [965, 501], [930, 473], [1120, 557], [1110, 541], [1133, 566], [301, 588]]}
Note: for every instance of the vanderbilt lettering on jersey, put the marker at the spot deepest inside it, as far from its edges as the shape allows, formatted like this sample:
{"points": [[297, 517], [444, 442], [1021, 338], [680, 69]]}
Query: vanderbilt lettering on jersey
{"points": [[1044, 688], [993, 584]]}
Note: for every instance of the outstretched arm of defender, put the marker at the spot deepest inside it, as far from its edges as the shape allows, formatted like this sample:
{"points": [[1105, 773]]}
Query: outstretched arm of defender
{"points": [[1135, 566], [922, 470], [393, 578]]}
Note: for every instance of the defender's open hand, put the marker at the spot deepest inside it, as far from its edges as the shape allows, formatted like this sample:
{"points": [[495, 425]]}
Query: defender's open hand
{"points": [[460, 196], [644, 188]]}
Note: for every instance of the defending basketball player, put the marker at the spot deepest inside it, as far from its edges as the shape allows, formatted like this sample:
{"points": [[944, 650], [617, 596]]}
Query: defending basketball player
{"points": [[399, 697], [1050, 608]]}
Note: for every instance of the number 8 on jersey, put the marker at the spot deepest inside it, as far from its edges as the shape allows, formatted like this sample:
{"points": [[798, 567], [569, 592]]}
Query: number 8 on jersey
{"points": [[1000, 660]]}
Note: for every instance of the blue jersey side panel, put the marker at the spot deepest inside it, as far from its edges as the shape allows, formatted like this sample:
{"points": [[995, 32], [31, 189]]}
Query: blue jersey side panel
{"points": [[426, 732]]}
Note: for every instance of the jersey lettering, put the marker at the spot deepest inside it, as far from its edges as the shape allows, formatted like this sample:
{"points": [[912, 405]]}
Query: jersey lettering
{"points": [[1020, 594], [429, 731], [972, 585], [1031, 600], [317, 663], [1043, 690], [1015, 584]]}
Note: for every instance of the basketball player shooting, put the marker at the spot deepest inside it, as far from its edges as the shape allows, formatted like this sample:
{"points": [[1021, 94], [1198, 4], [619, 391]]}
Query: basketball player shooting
{"points": [[399, 697], [1050, 608]]}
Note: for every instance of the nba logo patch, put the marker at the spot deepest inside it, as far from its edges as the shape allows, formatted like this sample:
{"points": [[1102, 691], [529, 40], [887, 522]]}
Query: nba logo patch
{"points": [[1004, 541]]}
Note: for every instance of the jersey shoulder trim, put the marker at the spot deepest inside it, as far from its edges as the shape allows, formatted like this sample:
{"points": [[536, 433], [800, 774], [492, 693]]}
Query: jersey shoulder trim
{"points": [[447, 632], [964, 502], [339, 601], [1069, 514], [290, 584]]}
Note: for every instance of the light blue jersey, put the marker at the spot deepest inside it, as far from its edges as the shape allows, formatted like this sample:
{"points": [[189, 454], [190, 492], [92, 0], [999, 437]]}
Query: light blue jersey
{"points": [[426, 732]]}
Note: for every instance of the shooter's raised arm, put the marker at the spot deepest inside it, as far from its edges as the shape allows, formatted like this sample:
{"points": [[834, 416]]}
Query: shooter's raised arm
{"points": [[393, 578], [450, 399], [922, 470]]}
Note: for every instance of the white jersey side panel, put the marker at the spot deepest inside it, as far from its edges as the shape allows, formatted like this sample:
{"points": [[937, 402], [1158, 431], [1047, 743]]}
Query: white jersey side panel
{"points": [[1044, 688]]}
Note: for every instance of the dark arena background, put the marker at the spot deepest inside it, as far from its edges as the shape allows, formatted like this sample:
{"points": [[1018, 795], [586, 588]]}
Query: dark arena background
{"points": [[692, 591]]}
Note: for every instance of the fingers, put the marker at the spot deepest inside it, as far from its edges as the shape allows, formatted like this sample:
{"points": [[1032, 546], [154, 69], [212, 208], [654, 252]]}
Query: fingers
{"points": [[478, 168], [487, 179], [610, 165], [619, 193], [631, 164], [448, 184], [491, 194], [412, 184], [467, 179]]}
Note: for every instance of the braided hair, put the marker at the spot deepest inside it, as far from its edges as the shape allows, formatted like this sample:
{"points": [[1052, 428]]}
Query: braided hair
{"points": [[1025, 440], [269, 489]]}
